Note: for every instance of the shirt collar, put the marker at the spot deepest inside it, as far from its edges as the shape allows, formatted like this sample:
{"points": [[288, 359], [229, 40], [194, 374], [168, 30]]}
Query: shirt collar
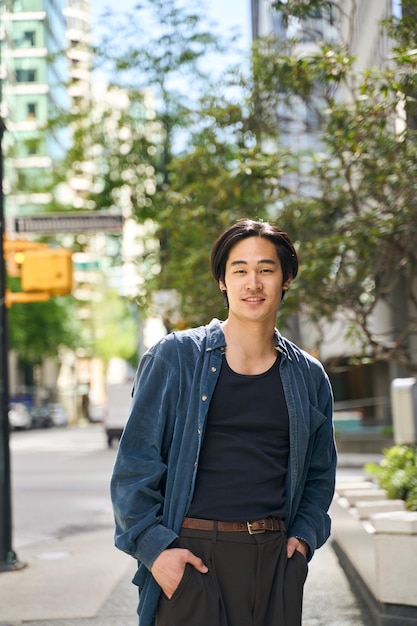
{"points": [[215, 335], [216, 338], [280, 344]]}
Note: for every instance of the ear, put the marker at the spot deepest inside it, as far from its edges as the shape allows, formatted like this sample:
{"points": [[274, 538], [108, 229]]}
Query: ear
{"points": [[222, 286], [286, 285]]}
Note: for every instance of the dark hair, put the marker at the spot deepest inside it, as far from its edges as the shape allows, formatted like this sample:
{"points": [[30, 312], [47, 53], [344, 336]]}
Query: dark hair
{"points": [[243, 229]]}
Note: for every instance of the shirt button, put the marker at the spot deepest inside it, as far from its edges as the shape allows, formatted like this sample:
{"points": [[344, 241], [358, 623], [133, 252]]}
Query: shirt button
{"points": [[204, 398], [214, 369], [199, 431]]}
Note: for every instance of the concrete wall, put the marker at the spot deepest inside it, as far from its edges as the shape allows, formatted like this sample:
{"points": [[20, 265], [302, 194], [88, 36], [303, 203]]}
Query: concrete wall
{"points": [[376, 540]]}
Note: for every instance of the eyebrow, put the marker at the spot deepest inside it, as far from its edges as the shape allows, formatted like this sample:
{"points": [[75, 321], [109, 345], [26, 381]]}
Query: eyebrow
{"points": [[260, 262]]}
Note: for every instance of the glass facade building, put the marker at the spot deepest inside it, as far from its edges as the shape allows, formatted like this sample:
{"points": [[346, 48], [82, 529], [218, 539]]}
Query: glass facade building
{"points": [[34, 91]]}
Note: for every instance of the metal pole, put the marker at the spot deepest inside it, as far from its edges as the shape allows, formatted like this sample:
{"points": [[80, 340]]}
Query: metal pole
{"points": [[8, 558]]}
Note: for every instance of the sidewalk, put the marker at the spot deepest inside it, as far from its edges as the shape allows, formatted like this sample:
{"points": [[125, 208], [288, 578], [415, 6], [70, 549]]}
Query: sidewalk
{"points": [[83, 580], [67, 582]]}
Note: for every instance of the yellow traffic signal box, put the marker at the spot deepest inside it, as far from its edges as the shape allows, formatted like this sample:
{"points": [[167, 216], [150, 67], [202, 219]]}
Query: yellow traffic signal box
{"points": [[47, 270], [14, 253]]}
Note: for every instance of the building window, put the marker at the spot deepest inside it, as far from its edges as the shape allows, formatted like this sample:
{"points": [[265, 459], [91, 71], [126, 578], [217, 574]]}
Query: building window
{"points": [[31, 110], [26, 76], [32, 146], [29, 38]]}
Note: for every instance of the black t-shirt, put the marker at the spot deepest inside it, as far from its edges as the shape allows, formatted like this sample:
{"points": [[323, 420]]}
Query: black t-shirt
{"points": [[243, 462]]}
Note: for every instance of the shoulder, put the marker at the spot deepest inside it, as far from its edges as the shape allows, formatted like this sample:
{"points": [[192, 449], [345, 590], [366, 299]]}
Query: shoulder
{"points": [[308, 372], [192, 341], [304, 360]]}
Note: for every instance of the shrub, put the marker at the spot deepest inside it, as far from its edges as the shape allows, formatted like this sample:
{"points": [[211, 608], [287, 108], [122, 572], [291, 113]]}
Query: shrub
{"points": [[397, 474]]}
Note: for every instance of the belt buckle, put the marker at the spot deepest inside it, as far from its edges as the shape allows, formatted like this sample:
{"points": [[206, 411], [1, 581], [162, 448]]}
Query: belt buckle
{"points": [[254, 532]]}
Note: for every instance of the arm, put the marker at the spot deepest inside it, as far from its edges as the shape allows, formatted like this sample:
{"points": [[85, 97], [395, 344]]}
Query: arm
{"points": [[138, 480], [315, 487]]}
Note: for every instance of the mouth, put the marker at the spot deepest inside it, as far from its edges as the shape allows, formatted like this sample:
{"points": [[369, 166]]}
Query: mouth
{"points": [[253, 299]]}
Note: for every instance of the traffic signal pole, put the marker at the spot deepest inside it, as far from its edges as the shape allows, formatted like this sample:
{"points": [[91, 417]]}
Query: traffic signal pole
{"points": [[8, 558], [54, 267]]}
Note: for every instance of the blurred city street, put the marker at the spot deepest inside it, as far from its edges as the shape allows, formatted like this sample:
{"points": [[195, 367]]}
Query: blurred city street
{"points": [[63, 532], [133, 137]]}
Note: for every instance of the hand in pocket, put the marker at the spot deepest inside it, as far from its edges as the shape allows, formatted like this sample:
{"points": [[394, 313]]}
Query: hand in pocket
{"points": [[168, 568]]}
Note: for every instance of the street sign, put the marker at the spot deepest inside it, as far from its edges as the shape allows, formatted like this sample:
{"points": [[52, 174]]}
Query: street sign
{"points": [[69, 223]]}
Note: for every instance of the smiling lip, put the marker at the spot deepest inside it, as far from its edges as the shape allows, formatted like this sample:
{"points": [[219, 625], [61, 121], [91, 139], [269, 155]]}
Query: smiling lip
{"points": [[254, 299]]}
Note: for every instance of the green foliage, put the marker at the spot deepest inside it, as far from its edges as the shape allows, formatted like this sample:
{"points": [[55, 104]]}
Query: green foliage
{"points": [[225, 176], [155, 55], [115, 328], [353, 209], [192, 153], [40, 329], [194, 159], [301, 8], [397, 474]]}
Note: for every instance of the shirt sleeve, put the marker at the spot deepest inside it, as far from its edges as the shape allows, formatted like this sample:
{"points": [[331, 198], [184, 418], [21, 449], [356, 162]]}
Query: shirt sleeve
{"points": [[312, 521], [139, 474]]}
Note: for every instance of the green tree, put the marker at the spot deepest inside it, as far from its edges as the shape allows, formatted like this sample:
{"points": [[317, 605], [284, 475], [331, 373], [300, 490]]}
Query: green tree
{"points": [[193, 165], [225, 175], [194, 156], [356, 225], [153, 56], [40, 329], [115, 329]]}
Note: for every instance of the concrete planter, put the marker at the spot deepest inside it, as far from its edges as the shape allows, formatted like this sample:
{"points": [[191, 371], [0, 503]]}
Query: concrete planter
{"points": [[376, 541]]}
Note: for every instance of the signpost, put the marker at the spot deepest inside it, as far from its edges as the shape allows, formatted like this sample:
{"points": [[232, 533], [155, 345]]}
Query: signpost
{"points": [[79, 222]]}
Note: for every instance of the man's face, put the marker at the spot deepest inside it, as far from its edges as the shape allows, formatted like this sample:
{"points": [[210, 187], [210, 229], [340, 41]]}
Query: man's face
{"points": [[253, 280]]}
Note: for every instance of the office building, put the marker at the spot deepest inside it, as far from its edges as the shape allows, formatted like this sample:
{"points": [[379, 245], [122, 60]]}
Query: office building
{"points": [[34, 74]]}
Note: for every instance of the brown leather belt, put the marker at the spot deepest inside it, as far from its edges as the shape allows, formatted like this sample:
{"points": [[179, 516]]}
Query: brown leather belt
{"points": [[253, 528]]}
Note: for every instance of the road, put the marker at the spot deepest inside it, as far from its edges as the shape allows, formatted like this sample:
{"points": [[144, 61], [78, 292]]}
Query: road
{"points": [[60, 483]]}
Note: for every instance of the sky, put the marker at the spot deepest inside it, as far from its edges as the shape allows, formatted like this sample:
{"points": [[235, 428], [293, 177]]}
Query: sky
{"points": [[226, 13]]}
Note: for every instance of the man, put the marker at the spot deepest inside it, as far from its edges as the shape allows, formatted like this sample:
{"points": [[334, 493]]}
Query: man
{"points": [[226, 468]]}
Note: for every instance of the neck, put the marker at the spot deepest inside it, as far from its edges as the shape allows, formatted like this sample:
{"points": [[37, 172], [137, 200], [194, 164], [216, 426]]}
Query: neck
{"points": [[250, 330], [252, 341]]}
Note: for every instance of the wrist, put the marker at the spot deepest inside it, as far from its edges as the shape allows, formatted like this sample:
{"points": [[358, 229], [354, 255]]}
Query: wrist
{"points": [[304, 548]]}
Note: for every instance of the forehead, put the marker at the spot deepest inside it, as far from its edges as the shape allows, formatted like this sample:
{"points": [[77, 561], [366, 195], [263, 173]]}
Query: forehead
{"points": [[253, 249]]}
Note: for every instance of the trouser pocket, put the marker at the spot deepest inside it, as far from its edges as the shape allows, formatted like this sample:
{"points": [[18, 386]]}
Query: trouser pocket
{"points": [[195, 602], [295, 576]]}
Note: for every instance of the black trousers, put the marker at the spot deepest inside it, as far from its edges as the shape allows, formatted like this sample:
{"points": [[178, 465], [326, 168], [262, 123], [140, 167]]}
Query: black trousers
{"points": [[250, 582]]}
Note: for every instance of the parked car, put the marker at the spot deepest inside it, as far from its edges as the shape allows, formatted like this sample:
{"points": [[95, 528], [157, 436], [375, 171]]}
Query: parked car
{"points": [[58, 415], [19, 416], [41, 417]]}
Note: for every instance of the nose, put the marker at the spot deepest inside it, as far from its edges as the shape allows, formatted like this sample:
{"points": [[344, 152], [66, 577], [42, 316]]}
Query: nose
{"points": [[253, 281]]}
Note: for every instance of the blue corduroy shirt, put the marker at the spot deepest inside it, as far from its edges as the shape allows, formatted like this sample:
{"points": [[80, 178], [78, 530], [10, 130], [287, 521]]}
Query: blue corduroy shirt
{"points": [[156, 464]]}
